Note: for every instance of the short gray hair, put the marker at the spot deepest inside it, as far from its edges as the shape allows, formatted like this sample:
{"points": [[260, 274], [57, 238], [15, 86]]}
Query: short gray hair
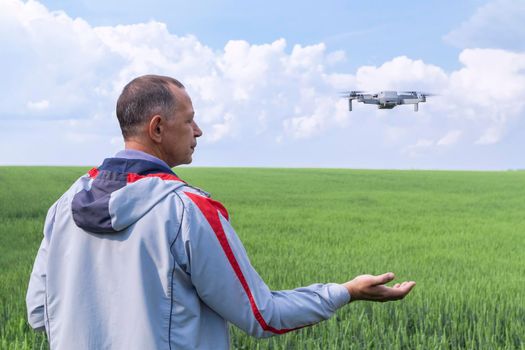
{"points": [[142, 98]]}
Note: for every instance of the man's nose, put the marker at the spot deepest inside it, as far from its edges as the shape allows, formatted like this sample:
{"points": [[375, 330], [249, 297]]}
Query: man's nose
{"points": [[197, 132]]}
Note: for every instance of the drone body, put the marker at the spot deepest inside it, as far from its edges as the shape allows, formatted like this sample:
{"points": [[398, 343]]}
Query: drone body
{"points": [[387, 99]]}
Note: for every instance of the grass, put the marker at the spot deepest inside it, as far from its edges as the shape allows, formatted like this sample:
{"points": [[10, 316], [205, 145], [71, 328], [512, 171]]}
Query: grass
{"points": [[460, 235]]}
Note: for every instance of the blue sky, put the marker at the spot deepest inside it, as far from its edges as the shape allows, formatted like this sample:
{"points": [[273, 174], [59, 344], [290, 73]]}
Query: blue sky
{"points": [[264, 78], [370, 33]]}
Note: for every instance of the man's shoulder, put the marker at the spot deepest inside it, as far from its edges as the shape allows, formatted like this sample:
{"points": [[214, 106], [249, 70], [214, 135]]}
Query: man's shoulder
{"points": [[202, 202], [78, 185]]}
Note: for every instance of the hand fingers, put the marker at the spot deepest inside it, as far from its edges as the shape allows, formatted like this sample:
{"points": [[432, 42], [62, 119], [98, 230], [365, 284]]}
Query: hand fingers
{"points": [[397, 285], [401, 290], [384, 278]]}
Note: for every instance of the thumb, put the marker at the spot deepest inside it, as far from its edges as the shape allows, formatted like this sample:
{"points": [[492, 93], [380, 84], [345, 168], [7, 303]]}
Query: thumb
{"points": [[384, 278]]}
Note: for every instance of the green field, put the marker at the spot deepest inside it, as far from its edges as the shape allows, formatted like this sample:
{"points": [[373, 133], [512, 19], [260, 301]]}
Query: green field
{"points": [[460, 235]]}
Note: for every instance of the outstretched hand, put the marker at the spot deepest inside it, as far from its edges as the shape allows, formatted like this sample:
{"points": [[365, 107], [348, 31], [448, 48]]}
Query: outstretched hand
{"points": [[369, 287]]}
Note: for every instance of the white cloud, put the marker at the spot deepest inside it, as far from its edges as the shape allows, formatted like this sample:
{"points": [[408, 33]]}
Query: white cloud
{"points": [[490, 136], [450, 138], [65, 72], [303, 127], [401, 73], [38, 105], [78, 71], [395, 134], [489, 91], [484, 97], [489, 77], [221, 130], [49, 56], [424, 145], [497, 24], [420, 147], [238, 83]]}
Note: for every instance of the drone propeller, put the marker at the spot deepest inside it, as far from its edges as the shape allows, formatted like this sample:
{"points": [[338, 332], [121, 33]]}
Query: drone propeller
{"points": [[352, 93], [419, 93]]}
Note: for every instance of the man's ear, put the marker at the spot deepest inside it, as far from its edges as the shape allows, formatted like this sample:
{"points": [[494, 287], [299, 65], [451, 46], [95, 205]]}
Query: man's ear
{"points": [[155, 128]]}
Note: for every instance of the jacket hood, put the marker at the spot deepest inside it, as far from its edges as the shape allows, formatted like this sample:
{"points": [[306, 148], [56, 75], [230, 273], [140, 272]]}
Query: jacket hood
{"points": [[120, 192]]}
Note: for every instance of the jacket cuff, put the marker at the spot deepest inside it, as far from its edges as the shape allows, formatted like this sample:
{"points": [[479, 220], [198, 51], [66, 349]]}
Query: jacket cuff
{"points": [[339, 295]]}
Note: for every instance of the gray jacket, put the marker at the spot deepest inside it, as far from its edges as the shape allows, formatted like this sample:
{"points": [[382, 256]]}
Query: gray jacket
{"points": [[134, 258]]}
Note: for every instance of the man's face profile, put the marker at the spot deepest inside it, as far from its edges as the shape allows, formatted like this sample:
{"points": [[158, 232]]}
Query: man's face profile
{"points": [[180, 130]]}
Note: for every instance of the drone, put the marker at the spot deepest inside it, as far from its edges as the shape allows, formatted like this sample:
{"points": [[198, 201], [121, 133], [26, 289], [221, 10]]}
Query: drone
{"points": [[387, 99]]}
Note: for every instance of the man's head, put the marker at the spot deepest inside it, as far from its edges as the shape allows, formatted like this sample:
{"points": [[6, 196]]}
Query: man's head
{"points": [[156, 116]]}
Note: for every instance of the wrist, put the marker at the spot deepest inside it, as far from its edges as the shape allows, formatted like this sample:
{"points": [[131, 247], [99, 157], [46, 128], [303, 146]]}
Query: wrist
{"points": [[351, 291]]}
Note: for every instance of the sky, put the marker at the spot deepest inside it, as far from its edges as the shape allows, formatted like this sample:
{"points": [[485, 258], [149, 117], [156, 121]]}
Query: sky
{"points": [[265, 79]]}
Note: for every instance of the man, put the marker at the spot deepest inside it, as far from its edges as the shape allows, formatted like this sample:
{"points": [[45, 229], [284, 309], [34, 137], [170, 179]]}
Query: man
{"points": [[135, 258]]}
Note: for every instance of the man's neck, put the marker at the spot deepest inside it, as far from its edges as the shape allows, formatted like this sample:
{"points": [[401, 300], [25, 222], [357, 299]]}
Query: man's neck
{"points": [[139, 146], [130, 153]]}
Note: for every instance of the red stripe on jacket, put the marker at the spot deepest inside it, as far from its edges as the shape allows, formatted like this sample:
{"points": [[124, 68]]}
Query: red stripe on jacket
{"points": [[133, 177], [210, 209], [93, 173]]}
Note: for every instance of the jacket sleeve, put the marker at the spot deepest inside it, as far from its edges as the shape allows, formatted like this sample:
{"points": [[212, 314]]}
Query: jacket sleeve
{"points": [[226, 281], [36, 291]]}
